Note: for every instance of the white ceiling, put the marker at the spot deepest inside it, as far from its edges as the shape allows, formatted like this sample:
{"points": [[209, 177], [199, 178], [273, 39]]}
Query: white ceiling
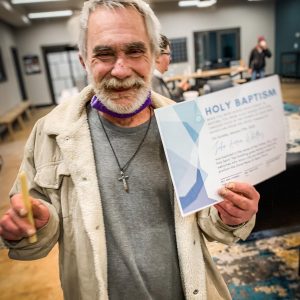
{"points": [[14, 17]]}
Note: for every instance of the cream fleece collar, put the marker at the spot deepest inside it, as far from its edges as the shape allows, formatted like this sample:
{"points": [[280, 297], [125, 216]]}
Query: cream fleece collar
{"points": [[72, 111]]}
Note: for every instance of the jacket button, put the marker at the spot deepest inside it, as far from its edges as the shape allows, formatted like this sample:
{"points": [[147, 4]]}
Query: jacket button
{"points": [[195, 292]]}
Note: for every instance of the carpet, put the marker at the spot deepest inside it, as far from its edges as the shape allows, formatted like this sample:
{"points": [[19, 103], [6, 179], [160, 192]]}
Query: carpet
{"points": [[262, 268], [292, 127]]}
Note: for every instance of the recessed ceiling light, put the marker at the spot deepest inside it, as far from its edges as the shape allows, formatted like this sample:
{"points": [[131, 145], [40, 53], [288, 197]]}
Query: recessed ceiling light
{"points": [[206, 3], [187, 3], [25, 20], [198, 3], [33, 1], [50, 14], [6, 5]]}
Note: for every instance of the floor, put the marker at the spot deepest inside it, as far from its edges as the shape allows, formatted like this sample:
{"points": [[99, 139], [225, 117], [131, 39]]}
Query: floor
{"points": [[24, 280], [273, 271], [40, 279], [291, 90]]}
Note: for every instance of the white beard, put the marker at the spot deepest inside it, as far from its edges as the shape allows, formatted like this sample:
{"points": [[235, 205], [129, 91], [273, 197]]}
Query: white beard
{"points": [[137, 96]]}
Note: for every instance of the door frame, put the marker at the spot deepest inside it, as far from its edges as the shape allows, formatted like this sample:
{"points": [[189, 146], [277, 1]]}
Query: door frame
{"points": [[20, 79], [51, 49]]}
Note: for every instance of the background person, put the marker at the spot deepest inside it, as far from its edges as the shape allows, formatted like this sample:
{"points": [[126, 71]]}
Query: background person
{"points": [[257, 59], [100, 185], [161, 66]]}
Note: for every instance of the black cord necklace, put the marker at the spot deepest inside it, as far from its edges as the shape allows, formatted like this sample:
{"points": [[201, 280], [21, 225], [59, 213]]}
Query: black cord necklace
{"points": [[125, 177]]}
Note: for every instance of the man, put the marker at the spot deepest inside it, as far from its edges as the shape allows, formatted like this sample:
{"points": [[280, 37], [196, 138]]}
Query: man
{"points": [[257, 61], [99, 181], [161, 66]]}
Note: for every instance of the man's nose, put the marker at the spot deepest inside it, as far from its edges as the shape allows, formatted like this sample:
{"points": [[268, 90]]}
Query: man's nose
{"points": [[121, 69]]}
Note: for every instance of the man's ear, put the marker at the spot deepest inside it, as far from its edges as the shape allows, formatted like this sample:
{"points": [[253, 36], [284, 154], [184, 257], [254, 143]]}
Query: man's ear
{"points": [[82, 61]]}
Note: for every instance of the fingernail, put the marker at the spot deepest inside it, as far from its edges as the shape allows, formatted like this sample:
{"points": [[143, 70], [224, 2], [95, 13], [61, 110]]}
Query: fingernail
{"points": [[222, 191], [22, 212], [30, 232], [230, 185]]}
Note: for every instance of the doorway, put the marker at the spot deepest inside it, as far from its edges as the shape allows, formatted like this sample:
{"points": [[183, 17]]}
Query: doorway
{"points": [[21, 85], [64, 72], [216, 48]]}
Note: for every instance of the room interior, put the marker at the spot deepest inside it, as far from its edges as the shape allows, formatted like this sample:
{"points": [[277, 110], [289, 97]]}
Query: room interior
{"points": [[39, 66]]}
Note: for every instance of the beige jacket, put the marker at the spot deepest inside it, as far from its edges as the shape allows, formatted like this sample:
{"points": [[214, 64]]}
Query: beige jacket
{"points": [[59, 162]]}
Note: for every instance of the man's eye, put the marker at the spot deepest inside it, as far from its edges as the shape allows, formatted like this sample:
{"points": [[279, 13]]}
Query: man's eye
{"points": [[135, 53], [105, 56]]}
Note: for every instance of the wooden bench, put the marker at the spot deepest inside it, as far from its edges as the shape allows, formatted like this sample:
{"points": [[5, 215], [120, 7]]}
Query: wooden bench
{"points": [[15, 114]]}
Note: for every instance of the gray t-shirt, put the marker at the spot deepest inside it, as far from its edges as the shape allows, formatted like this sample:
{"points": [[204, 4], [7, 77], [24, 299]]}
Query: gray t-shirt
{"points": [[139, 225]]}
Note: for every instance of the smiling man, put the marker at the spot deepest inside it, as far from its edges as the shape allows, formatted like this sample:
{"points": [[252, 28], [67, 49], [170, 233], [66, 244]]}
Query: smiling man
{"points": [[119, 58], [100, 185]]}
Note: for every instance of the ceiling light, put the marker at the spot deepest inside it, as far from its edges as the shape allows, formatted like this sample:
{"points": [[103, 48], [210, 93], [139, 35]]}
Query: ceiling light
{"points": [[198, 3], [33, 1], [206, 3], [51, 14], [6, 5], [25, 20], [188, 3]]}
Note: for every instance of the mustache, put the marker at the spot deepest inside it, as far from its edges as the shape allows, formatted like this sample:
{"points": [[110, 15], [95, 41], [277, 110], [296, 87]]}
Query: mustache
{"points": [[127, 83]]}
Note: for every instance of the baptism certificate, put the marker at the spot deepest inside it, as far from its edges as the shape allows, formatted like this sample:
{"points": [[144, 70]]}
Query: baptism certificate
{"points": [[237, 134]]}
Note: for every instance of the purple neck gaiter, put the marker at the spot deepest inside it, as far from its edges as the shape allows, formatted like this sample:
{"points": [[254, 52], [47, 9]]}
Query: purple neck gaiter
{"points": [[97, 104]]}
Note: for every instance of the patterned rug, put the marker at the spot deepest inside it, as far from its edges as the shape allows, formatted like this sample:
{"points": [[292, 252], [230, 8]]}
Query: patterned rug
{"points": [[261, 269], [293, 127]]}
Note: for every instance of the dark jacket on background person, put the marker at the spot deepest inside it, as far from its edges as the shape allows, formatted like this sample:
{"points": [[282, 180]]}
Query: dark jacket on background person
{"points": [[160, 87], [257, 59]]}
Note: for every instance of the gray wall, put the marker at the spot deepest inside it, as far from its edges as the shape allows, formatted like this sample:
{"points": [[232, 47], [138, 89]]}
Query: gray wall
{"points": [[9, 91], [254, 18], [30, 40]]}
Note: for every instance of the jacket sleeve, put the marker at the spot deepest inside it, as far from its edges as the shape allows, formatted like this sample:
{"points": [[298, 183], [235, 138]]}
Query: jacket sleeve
{"points": [[48, 235], [157, 86], [215, 230], [47, 238], [267, 53]]}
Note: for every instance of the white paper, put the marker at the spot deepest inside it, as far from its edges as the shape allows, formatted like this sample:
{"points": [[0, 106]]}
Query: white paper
{"points": [[237, 134]]}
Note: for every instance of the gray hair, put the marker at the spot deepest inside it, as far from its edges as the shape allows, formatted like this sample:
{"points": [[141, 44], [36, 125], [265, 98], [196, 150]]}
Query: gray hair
{"points": [[151, 21]]}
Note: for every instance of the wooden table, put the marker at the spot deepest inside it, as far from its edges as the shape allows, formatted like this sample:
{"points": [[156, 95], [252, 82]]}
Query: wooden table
{"points": [[210, 74]]}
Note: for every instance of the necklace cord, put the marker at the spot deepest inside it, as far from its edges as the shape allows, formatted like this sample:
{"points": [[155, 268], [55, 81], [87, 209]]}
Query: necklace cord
{"points": [[122, 169]]}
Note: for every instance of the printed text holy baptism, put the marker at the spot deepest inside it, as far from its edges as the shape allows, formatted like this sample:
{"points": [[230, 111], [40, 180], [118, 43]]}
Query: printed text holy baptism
{"points": [[239, 102]]}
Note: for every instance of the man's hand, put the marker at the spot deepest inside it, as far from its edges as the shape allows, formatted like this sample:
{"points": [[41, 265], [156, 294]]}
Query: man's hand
{"points": [[14, 224], [240, 203]]}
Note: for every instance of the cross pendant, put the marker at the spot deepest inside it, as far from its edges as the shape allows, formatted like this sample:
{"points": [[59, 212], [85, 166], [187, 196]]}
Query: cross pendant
{"points": [[124, 178]]}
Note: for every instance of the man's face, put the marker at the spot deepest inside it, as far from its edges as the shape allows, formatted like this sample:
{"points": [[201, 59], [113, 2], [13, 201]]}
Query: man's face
{"points": [[163, 60], [119, 60]]}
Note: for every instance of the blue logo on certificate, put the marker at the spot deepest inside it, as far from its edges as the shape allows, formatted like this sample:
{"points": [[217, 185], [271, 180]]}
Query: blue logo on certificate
{"points": [[180, 126]]}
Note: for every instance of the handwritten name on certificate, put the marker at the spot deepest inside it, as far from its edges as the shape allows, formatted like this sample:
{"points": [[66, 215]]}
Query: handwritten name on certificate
{"points": [[237, 134]]}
